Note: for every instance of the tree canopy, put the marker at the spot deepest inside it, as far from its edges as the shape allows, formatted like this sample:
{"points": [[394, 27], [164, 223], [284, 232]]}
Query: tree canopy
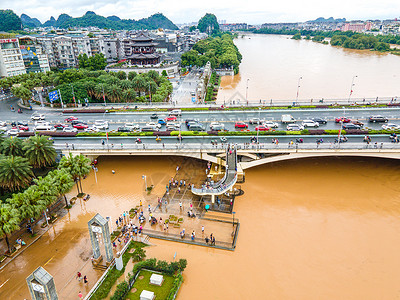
{"points": [[9, 20], [209, 24], [93, 63]]}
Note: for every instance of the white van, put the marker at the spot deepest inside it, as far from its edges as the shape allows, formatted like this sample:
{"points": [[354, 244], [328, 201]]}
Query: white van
{"points": [[175, 112], [44, 128]]}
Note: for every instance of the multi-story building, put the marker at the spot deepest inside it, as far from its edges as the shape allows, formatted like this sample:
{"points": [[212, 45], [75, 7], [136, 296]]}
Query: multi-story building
{"points": [[97, 45], [47, 43], [233, 27], [357, 27], [11, 62], [35, 59], [112, 49], [64, 52], [81, 45]]}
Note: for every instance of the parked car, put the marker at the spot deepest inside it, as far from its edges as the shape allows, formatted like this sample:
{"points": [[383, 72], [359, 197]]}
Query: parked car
{"points": [[154, 116], [132, 126], [153, 124], [170, 118], [241, 125], [351, 126], [391, 126], [255, 121], [310, 123], [70, 119], [80, 126], [294, 127], [149, 128], [262, 128], [380, 119], [319, 120], [60, 126], [69, 129], [271, 124], [123, 129], [37, 117], [161, 122], [343, 120], [101, 124]]}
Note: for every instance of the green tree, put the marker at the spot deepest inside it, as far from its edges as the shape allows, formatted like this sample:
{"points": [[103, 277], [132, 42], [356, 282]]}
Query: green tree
{"points": [[132, 75], [28, 203], [9, 221], [78, 166], [12, 146], [208, 24], [9, 20], [62, 181], [15, 173], [297, 36], [39, 151], [121, 75], [22, 92]]}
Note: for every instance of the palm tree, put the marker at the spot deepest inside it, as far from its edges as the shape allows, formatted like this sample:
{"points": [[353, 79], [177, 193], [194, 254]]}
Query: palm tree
{"points": [[62, 181], [9, 221], [84, 167], [47, 192], [27, 203], [78, 166], [15, 173], [39, 151], [12, 146]]}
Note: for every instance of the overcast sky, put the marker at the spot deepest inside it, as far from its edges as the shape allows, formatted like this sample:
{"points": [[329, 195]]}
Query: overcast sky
{"points": [[184, 11]]}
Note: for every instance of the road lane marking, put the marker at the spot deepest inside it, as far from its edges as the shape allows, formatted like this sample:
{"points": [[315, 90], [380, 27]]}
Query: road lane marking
{"points": [[4, 283], [48, 260]]}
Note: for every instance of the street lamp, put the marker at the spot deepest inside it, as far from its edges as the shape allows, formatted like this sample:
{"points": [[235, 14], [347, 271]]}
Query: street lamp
{"points": [[145, 181], [73, 94], [298, 88], [247, 90], [104, 97], [351, 87], [95, 173]]}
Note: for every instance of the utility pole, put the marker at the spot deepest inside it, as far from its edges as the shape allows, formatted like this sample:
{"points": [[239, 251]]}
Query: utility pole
{"points": [[351, 87], [298, 88]]}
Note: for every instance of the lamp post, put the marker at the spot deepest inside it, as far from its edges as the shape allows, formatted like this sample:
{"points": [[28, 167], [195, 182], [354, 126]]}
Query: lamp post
{"points": [[104, 97], [73, 94], [298, 88], [95, 173], [247, 90], [145, 181], [351, 87]]}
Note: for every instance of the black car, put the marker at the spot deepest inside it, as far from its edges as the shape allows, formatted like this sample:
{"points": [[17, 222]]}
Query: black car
{"points": [[154, 116], [75, 122], [319, 120], [123, 129], [351, 126], [380, 119], [22, 123]]}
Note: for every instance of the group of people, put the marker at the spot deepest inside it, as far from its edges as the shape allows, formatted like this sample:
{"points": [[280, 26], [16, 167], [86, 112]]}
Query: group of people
{"points": [[210, 240], [394, 138]]}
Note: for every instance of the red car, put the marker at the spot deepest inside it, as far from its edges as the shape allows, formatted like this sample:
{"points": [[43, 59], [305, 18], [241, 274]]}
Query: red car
{"points": [[23, 128], [59, 126], [262, 128], [170, 118], [70, 119], [342, 119], [241, 125], [80, 126]]}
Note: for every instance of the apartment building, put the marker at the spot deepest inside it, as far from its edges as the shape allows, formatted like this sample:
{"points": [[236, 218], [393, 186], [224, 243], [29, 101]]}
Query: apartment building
{"points": [[11, 62]]}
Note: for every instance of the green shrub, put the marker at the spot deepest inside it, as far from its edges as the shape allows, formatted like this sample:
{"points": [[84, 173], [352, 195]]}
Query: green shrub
{"points": [[121, 291]]}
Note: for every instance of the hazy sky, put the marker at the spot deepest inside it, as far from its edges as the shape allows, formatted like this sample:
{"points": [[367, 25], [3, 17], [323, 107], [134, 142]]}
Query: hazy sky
{"points": [[183, 11]]}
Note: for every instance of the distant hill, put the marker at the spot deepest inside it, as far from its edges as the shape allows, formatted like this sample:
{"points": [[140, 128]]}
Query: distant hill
{"points": [[9, 20], [112, 22], [28, 22], [329, 20]]}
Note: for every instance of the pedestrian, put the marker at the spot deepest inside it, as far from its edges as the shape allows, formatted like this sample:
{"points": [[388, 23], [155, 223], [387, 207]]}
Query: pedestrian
{"points": [[202, 229], [180, 205], [80, 295], [207, 240], [191, 206], [184, 183], [85, 279], [149, 208], [140, 203], [73, 147], [79, 276], [116, 222], [177, 169], [179, 189]]}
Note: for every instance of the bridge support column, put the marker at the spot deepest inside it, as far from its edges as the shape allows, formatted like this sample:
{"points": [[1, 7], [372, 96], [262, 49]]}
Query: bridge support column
{"points": [[212, 198]]}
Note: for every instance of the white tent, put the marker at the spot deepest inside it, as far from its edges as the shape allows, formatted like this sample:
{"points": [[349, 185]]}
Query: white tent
{"points": [[156, 279], [146, 295]]}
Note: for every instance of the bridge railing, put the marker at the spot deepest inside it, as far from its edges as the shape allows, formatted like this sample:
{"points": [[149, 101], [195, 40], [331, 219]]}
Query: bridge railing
{"points": [[262, 147]]}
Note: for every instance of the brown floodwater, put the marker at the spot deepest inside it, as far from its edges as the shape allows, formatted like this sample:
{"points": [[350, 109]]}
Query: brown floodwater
{"points": [[326, 228], [273, 64]]}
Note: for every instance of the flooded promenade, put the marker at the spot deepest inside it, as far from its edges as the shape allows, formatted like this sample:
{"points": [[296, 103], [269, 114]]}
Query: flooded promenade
{"points": [[326, 228]]}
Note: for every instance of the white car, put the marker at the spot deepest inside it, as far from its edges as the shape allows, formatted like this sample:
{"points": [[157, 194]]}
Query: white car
{"points": [[100, 124], [391, 126], [132, 126], [271, 124], [294, 127], [92, 129], [38, 117], [2, 124], [42, 123], [310, 123], [44, 128], [69, 129], [13, 131], [255, 121], [153, 124]]}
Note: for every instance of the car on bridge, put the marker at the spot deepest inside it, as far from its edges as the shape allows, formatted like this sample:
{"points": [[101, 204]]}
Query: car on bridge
{"points": [[123, 129], [262, 128], [187, 121], [23, 128], [357, 122], [294, 127], [101, 124], [13, 131], [40, 123], [132, 126], [161, 122], [149, 129], [36, 117], [176, 112], [153, 124], [319, 120], [343, 120], [154, 116], [391, 126], [92, 129], [310, 123], [196, 127], [74, 122], [255, 121], [170, 118], [80, 126], [2, 124], [380, 119], [241, 125], [70, 119], [271, 124], [216, 126], [60, 126], [69, 129], [351, 126], [23, 123]]}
